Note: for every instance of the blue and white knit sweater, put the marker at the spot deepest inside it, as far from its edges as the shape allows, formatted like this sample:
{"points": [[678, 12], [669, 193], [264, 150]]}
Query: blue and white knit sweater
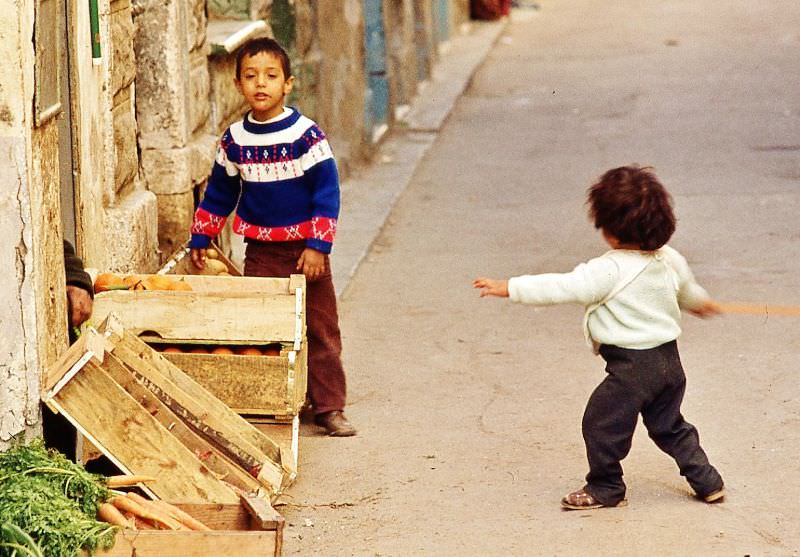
{"points": [[281, 178]]}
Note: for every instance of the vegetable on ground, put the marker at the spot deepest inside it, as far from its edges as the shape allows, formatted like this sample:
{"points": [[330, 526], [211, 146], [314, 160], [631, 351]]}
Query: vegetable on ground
{"points": [[48, 505]]}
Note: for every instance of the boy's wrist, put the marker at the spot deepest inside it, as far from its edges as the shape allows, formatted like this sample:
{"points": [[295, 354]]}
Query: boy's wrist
{"points": [[199, 241], [319, 245]]}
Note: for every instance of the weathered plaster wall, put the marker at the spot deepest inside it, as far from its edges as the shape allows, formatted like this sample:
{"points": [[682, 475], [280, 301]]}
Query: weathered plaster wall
{"points": [[226, 102], [26, 296], [18, 349]]}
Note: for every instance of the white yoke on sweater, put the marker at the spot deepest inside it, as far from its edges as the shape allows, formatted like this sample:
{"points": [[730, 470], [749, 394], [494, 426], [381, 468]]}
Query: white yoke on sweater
{"points": [[645, 313]]}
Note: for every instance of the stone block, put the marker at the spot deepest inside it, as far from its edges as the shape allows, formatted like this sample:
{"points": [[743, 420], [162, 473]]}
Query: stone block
{"points": [[123, 62], [340, 82], [126, 156], [199, 95], [175, 213], [177, 171], [260, 9], [196, 24], [131, 234], [229, 9], [162, 76], [227, 103]]}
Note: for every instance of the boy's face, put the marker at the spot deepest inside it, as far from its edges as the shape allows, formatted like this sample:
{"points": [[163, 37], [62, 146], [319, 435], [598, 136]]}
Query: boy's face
{"points": [[263, 85]]}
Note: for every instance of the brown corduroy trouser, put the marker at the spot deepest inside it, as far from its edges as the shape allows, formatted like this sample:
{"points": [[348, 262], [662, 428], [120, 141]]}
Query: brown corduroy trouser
{"points": [[327, 388]]}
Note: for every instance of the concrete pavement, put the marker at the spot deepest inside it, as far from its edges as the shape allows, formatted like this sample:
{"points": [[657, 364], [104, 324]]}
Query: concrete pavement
{"points": [[469, 410], [369, 195]]}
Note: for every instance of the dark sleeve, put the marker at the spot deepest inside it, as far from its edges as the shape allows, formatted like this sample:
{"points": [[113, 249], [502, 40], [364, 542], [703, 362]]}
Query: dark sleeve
{"points": [[73, 265]]}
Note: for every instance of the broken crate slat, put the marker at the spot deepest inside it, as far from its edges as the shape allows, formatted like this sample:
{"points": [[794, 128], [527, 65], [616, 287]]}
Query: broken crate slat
{"points": [[216, 413]]}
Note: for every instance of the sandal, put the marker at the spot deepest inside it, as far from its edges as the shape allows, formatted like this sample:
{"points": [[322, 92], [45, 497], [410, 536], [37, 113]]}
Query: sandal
{"points": [[582, 501], [715, 496]]}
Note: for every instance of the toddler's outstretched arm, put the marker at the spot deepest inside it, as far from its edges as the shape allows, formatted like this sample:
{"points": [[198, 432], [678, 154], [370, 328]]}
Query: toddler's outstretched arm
{"points": [[491, 287], [708, 308]]}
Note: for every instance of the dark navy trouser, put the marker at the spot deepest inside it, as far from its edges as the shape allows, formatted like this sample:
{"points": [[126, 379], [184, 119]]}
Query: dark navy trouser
{"points": [[650, 382]]}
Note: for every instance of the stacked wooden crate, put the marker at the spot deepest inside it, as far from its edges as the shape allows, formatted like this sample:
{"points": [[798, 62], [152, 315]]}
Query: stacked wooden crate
{"points": [[151, 419], [234, 313]]}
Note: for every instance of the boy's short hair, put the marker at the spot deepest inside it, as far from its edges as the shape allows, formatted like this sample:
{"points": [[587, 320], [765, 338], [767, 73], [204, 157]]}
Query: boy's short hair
{"points": [[263, 44], [630, 204]]}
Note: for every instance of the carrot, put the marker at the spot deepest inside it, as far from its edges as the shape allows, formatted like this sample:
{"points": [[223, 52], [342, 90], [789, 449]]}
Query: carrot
{"points": [[140, 523], [127, 504], [126, 480], [157, 509], [181, 516], [109, 513]]}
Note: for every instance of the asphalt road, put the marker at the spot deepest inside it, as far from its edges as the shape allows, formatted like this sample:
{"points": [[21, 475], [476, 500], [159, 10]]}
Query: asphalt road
{"points": [[469, 409]]}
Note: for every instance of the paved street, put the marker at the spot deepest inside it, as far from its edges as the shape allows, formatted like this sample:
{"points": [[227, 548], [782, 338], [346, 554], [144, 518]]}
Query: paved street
{"points": [[469, 409]]}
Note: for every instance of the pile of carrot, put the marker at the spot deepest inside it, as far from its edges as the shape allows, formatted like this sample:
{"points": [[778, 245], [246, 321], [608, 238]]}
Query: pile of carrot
{"points": [[136, 512]]}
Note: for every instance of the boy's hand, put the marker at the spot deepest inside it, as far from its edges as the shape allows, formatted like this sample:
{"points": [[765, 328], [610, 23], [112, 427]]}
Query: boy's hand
{"points": [[707, 309], [491, 287], [198, 256], [311, 263]]}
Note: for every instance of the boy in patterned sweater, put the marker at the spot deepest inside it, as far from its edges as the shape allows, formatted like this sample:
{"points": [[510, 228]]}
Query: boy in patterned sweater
{"points": [[276, 169]]}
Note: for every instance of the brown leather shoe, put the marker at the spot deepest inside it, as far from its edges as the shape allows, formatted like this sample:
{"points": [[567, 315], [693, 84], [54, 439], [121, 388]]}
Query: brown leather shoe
{"points": [[335, 424]]}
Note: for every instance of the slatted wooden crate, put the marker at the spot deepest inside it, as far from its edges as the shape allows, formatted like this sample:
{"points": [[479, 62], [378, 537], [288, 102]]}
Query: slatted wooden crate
{"points": [[150, 418], [227, 311], [236, 530]]}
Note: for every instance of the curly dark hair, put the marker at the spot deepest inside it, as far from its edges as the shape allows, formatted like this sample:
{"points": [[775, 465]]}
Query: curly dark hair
{"points": [[259, 45], [630, 204]]}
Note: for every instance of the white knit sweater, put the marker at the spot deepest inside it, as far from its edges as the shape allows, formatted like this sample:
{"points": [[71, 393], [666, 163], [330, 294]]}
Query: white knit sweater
{"points": [[645, 313]]}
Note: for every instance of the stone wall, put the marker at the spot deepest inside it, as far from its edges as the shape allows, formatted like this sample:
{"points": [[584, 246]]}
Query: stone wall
{"points": [[116, 215], [401, 52], [341, 85], [173, 112]]}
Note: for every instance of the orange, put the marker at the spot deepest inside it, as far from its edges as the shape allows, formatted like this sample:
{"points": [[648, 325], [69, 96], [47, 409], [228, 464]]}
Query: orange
{"points": [[222, 350], [157, 282], [181, 285], [272, 350], [131, 280], [107, 281], [249, 351], [173, 350]]}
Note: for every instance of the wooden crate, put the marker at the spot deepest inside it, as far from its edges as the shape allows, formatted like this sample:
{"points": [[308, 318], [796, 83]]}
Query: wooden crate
{"points": [[150, 418], [236, 531], [227, 311]]}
